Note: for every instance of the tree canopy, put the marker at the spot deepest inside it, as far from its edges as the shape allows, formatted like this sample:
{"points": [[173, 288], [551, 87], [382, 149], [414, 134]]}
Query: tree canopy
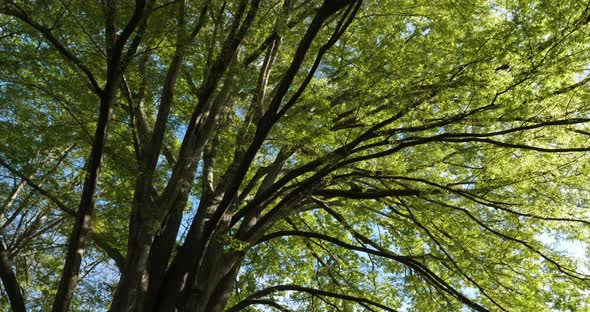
{"points": [[291, 155]]}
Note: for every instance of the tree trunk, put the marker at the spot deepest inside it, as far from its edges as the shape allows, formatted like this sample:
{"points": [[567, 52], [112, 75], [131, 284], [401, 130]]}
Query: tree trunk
{"points": [[77, 240], [9, 281], [209, 289]]}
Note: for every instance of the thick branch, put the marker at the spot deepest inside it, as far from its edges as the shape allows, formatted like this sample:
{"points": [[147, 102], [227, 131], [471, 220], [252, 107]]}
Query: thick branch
{"points": [[248, 302], [369, 194], [17, 303], [317, 292], [274, 112], [410, 262]]}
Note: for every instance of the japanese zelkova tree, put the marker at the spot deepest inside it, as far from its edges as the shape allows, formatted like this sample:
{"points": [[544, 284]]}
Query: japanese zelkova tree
{"points": [[294, 155]]}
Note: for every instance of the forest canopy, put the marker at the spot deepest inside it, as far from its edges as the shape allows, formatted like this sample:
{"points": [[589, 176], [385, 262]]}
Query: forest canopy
{"points": [[293, 155]]}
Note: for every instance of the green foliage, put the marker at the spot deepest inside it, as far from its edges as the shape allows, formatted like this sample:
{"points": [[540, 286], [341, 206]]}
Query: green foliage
{"points": [[476, 112]]}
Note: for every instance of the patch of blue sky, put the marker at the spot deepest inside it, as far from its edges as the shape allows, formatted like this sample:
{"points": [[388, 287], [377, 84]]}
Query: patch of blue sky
{"points": [[408, 30], [500, 11], [585, 74], [574, 249]]}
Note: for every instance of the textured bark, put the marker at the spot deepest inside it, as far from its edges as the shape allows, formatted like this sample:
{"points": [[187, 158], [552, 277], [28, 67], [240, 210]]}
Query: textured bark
{"points": [[219, 297], [208, 288], [162, 248]]}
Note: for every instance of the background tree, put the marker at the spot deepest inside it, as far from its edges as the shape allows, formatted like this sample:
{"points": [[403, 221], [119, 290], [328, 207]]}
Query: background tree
{"points": [[294, 155]]}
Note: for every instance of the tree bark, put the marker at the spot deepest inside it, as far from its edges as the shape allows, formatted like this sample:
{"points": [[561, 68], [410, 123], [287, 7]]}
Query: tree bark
{"points": [[77, 241], [115, 67], [17, 303]]}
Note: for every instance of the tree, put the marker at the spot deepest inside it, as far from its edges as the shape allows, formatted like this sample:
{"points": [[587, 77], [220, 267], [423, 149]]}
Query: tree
{"points": [[294, 155]]}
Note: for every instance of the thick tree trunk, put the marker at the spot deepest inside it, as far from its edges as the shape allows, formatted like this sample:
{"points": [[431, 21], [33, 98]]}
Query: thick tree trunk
{"points": [[209, 289], [216, 299], [202, 274]]}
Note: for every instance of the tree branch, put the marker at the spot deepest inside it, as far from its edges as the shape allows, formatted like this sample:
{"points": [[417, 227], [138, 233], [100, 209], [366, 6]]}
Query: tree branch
{"points": [[100, 241], [248, 302], [317, 292], [410, 262], [46, 32], [17, 303], [368, 194]]}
